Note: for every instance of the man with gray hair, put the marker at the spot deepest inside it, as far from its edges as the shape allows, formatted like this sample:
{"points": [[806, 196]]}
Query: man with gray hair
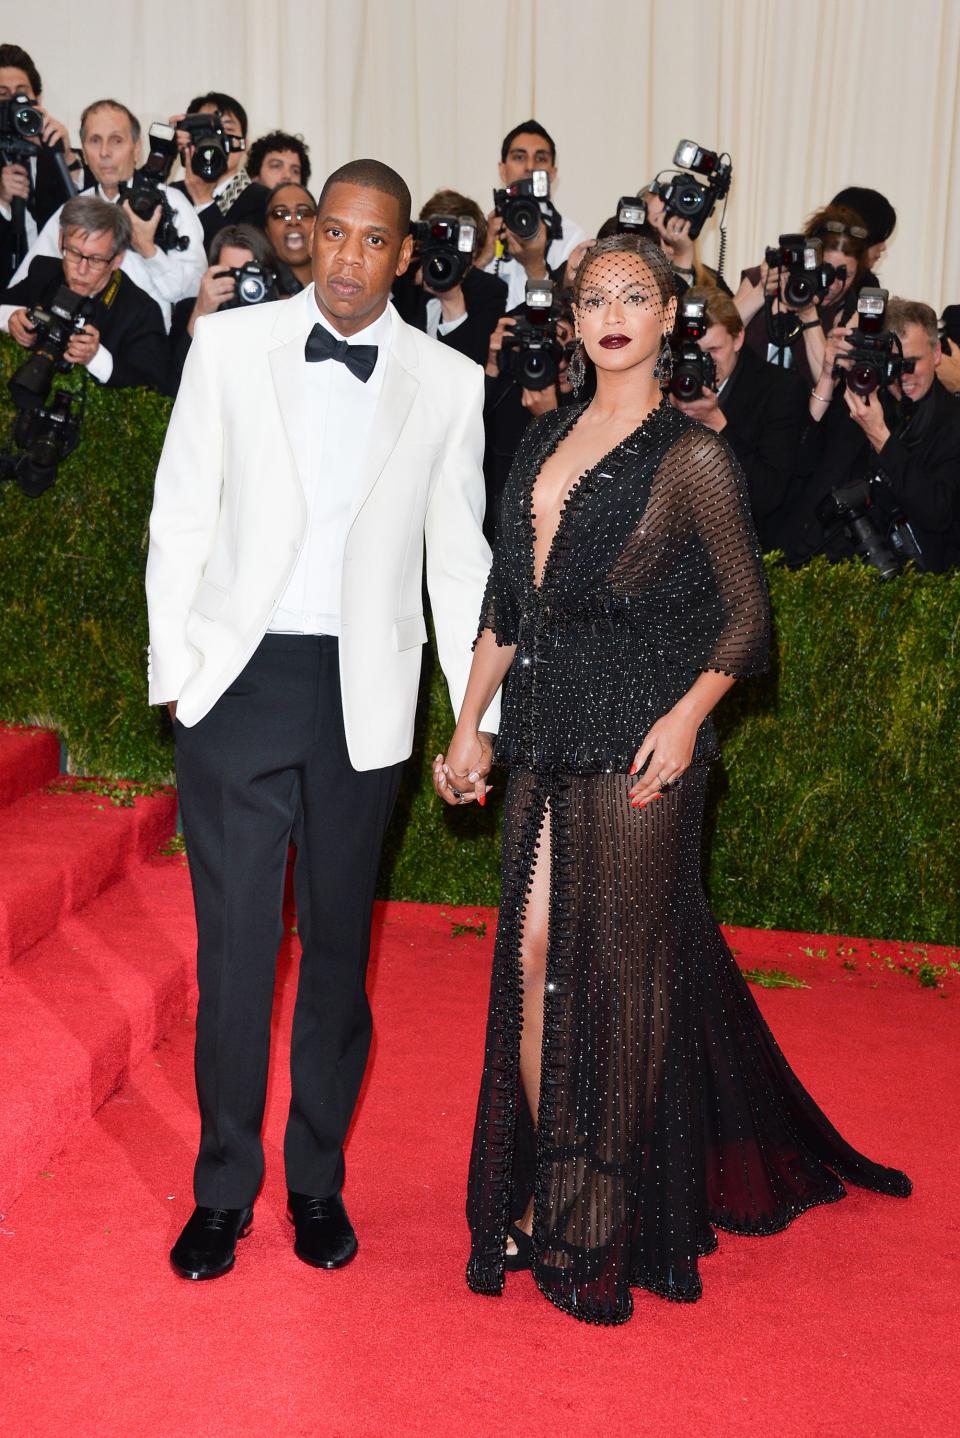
{"points": [[111, 141], [123, 340]]}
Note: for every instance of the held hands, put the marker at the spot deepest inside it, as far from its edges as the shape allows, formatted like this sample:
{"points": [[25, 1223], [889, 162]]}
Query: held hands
{"points": [[83, 345], [669, 748], [459, 777]]}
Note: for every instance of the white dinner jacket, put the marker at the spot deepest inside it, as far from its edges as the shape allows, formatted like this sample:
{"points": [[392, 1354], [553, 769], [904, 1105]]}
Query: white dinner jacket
{"points": [[229, 517]]}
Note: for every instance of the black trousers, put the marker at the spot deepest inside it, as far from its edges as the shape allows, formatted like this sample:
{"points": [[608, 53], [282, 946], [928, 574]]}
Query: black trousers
{"points": [[270, 759]]}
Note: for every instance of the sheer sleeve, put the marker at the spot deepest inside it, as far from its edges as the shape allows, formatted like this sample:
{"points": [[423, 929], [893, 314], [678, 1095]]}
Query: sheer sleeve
{"points": [[500, 611], [716, 503]]}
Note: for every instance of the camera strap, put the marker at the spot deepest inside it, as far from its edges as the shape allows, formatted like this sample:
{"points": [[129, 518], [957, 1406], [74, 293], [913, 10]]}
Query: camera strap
{"points": [[110, 293]]}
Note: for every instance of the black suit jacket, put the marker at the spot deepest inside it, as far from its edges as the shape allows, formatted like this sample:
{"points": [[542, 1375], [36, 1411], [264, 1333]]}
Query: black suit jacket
{"points": [[130, 322], [249, 208], [47, 193], [766, 410], [922, 471], [485, 297]]}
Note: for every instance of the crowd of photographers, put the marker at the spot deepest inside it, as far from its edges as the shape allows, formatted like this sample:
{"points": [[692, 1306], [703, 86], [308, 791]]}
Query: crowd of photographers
{"points": [[840, 403]]}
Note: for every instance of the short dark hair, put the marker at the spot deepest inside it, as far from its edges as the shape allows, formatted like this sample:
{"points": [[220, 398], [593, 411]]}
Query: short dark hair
{"points": [[529, 127], [13, 57], [878, 215], [451, 202], [372, 175], [223, 102], [110, 105], [275, 142], [245, 237]]}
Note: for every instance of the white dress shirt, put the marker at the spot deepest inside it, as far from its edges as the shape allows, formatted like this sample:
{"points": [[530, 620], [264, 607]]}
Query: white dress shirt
{"points": [[167, 276], [516, 276], [339, 410]]}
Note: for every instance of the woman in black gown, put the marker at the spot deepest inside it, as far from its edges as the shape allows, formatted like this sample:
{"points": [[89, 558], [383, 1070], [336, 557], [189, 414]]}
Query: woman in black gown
{"points": [[633, 1100]]}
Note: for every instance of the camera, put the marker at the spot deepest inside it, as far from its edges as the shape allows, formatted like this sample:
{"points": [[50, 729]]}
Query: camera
{"points": [[211, 145], [877, 359], [524, 204], [867, 513], [444, 246], [693, 371], [531, 352], [807, 278], [686, 197], [45, 437], [145, 191], [20, 123], [254, 282], [54, 327], [631, 216]]}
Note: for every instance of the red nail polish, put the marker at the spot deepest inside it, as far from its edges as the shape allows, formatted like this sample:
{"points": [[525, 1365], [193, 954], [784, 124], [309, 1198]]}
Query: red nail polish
{"points": [[481, 799], [632, 769]]}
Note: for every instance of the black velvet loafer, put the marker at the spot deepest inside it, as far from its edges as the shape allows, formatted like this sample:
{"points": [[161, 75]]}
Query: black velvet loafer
{"points": [[206, 1247], [325, 1236]]}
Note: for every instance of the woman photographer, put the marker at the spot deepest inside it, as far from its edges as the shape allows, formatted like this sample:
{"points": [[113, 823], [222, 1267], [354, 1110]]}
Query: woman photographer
{"points": [[796, 337]]}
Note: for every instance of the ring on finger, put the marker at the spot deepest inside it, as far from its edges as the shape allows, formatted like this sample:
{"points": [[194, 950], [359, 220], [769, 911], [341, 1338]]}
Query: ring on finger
{"points": [[458, 795]]}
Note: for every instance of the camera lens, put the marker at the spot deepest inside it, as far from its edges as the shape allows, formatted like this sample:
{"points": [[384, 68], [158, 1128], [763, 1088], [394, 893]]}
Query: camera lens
{"points": [[688, 198], [439, 272], [251, 289], [863, 378], [685, 384], [27, 120], [798, 291], [209, 161], [522, 217]]}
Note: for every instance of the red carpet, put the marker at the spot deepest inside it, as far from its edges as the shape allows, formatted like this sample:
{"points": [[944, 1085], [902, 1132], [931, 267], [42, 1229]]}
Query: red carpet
{"points": [[844, 1324]]}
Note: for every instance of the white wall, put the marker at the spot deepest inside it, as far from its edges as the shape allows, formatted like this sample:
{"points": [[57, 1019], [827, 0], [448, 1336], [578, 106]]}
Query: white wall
{"points": [[807, 95]]}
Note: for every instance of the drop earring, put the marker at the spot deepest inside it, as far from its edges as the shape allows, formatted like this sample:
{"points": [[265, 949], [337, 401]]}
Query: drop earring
{"points": [[663, 369], [576, 368]]}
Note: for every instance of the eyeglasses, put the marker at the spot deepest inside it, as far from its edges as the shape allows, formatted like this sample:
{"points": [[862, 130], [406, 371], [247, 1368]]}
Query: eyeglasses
{"points": [[96, 262], [302, 212]]}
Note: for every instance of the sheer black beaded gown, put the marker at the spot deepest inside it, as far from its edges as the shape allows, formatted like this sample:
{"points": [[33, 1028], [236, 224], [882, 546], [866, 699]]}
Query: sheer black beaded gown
{"points": [[667, 1109]]}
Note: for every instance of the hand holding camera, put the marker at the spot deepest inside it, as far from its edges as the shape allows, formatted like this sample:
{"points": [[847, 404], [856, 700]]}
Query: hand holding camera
{"points": [[21, 329], [83, 345], [504, 327], [144, 231]]}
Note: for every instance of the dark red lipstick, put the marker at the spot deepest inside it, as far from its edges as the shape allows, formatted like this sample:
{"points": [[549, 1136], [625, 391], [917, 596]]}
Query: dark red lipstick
{"points": [[615, 342]]}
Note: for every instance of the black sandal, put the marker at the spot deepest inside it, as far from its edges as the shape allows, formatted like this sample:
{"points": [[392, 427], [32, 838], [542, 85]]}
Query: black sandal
{"points": [[523, 1258]]}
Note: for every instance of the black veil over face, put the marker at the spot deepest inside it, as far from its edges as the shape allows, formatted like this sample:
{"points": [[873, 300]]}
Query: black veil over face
{"points": [[629, 248]]}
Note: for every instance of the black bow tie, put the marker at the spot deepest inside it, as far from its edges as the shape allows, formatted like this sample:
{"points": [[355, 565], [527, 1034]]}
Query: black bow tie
{"points": [[360, 360]]}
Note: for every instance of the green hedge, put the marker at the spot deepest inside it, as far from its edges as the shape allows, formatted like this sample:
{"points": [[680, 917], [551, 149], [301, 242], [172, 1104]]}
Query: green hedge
{"points": [[835, 808]]}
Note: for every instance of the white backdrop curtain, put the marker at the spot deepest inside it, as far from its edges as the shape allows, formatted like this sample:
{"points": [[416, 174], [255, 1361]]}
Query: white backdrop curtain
{"points": [[807, 95]]}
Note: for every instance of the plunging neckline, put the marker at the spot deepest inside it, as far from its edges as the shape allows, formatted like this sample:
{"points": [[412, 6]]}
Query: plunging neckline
{"points": [[563, 432]]}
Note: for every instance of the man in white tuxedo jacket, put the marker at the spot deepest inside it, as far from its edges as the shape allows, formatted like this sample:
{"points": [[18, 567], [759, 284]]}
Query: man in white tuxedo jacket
{"points": [[317, 445]]}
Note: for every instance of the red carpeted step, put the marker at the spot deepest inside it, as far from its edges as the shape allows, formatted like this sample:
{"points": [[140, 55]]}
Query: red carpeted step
{"points": [[57, 850], [82, 1007], [29, 758]]}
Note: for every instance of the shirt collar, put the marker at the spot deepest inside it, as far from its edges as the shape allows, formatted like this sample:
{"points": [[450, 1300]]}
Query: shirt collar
{"points": [[376, 333]]}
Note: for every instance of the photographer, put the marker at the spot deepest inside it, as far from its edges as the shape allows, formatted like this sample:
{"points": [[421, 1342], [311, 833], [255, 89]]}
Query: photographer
{"points": [[673, 235], [801, 330], [525, 149], [464, 314], [235, 247], [509, 405], [904, 436], [879, 220], [39, 181], [948, 372], [221, 200], [759, 410], [110, 134], [123, 341]]}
